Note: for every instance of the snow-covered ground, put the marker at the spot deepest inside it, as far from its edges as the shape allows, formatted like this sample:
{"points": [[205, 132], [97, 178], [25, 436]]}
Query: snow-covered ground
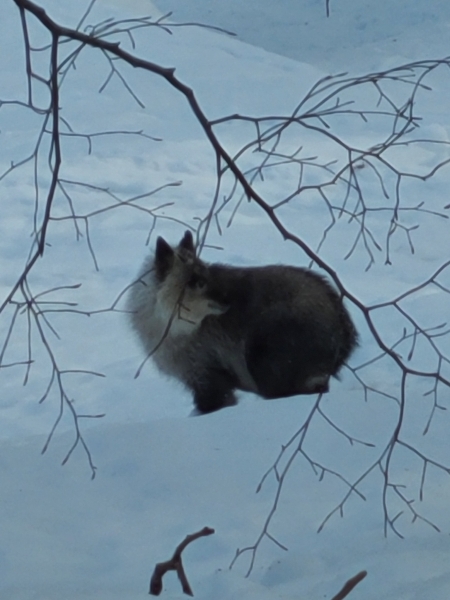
{"points": [[161, 475], [362, 36]]}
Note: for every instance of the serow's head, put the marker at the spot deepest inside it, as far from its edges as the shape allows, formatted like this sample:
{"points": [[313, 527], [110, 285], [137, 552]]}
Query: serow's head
{"points": [[185, 281]]}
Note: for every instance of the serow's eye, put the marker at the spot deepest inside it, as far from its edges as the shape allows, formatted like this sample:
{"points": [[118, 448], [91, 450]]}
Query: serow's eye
{"points": [[197, 281]]}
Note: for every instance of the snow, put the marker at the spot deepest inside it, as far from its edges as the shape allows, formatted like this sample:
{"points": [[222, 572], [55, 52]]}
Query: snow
{"points": [[160, 474]]}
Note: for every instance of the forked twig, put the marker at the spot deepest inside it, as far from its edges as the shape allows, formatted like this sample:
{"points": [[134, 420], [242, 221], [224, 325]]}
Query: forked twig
{"points": [[176, 564]]}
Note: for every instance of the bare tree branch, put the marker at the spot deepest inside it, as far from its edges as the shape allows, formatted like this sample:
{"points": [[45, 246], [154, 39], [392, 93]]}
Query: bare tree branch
{"points": [[176, 564], [348, 587]]}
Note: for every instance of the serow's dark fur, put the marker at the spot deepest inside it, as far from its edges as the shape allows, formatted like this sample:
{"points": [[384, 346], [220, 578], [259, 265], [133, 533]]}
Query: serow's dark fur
{"points": [[274, 330]]}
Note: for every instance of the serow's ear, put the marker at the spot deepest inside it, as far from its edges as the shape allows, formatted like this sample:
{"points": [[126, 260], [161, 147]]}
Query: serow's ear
{"points": [[187, 243], [164, 256]]}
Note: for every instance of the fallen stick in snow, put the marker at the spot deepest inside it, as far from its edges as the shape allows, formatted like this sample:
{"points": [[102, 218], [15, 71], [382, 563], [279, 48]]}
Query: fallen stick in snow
{"points": [[351, 583], [175, 564]]}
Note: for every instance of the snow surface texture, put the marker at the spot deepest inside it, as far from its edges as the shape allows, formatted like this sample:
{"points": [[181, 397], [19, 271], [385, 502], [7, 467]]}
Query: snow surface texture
{"points": [[161, 475]]}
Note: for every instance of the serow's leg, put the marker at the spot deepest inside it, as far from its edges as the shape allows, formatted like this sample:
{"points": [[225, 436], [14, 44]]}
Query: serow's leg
{"points": [[214, 391]]}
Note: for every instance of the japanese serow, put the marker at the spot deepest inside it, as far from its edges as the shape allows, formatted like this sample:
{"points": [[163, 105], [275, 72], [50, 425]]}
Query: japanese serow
{"points": [[274, 330]]}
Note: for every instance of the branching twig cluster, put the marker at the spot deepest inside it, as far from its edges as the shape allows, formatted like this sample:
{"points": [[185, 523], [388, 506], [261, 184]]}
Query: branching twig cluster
{"points": [[54, 129]]}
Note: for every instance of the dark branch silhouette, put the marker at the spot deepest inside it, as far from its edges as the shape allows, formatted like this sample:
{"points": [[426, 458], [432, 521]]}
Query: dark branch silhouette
{"points": [[348, 587], [176, 564]]}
